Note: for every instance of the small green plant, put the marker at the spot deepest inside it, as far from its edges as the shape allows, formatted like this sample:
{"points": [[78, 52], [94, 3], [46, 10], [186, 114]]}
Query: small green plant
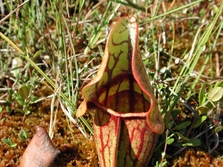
{"points": [[22, 135], [8, 141], [23, 97], [208, 99]]}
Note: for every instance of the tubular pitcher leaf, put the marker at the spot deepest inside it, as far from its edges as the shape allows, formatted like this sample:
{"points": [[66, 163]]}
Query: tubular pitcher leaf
{"points": [[127, 120]]}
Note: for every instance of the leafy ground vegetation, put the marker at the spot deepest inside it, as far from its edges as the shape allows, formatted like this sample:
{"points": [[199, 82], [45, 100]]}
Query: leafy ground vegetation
{"points": [[51, 49]]}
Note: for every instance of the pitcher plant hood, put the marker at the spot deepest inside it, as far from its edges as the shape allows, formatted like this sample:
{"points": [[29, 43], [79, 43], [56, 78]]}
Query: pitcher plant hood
{"points": [[122, 60]]}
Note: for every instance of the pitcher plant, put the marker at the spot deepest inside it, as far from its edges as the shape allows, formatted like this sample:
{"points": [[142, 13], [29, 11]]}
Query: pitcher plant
{"points": [[126, 119]]}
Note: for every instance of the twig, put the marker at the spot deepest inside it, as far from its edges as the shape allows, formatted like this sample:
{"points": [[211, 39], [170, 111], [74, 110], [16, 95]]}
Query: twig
{"points": [[8, 15]]}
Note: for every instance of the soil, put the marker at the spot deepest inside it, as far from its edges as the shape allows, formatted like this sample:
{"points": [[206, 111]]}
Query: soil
{"points": [[75, 149]]}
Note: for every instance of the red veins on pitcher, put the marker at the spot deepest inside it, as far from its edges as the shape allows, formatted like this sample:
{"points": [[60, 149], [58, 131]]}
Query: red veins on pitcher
{"points": [[127, 120]]}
